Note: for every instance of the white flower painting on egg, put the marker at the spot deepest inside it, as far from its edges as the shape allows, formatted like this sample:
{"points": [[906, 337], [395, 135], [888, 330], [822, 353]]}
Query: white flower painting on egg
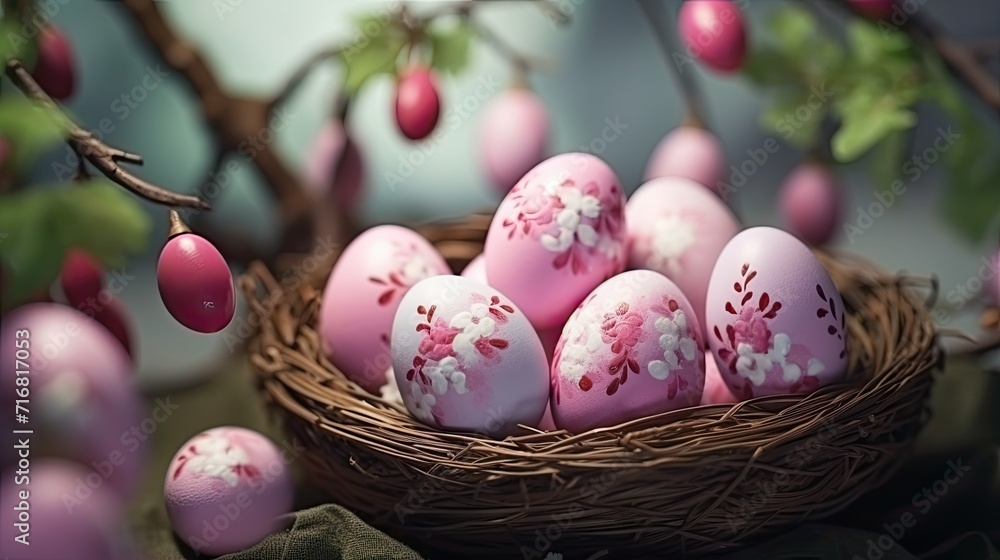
{"points": [[215, 456], [753, 350], [570, 220], [618, 327], [448, 349], [672, 236]]}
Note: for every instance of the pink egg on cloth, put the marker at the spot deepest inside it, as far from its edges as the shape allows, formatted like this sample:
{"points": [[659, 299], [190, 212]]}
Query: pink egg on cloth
{"points": [[54, 510], [476, 270], [558, 234], [466, 358], [632, 349], [716, 390], [776, 320], [226, 489], [84, 401], [688, 152], [678, 228], [362, 294]]}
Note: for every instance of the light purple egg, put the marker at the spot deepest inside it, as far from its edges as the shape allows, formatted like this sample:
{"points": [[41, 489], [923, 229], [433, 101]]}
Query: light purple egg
{"points": [[362, 294], [688, 152], [466, 358], [61, 511], [334, 161], [678, 228], [226, 489], [557, 235], [195, 283], [476, 270], [632, 349], [716, 390], [512, 136], [810, 203], [776, 320], [83, 403]]}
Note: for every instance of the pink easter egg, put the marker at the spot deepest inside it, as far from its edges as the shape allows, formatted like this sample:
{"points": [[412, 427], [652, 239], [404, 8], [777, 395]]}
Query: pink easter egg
{"points": [[550, 339], [810, 203], [334, 161], [467, 359], [476, 270], [678, 228], [714, 33], [56, 509], [83, 403], [716, 390], [632, 349], [776, 320], [195, 283], [512, 136], [688, 152], [547, 423], [565, 223], [226, 489], [362, 294], [418, 104]]}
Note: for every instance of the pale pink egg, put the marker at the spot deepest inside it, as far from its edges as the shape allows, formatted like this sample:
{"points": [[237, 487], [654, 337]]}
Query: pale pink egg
{"points": [[558, 234], [54, 509], [476, 270], [632, 349], [226, 489], [547, 423], [678, 228], [512, 136], [716, 390], [362, 294], [810, 203], [688, 152], [467, 359], [334, 161], [714, 33], [775, 319], [82, 401]]}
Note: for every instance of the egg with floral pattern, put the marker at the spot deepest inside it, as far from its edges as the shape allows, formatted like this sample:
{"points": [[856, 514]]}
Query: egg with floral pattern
{"points": [[678, 228], [221, 473], [775, 319], [362, 295], [467, 359], [558, 234], [633, 348]]}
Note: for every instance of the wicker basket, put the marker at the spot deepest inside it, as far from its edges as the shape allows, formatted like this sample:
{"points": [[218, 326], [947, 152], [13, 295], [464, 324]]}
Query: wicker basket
{"points": [[685, 482]]}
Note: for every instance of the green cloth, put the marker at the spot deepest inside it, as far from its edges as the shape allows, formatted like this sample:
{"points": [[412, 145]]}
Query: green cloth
{"points": [[328, 532]]}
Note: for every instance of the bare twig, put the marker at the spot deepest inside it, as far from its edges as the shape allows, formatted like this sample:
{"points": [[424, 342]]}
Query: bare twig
{"points": [[689, 89], [520, 62], [99, 154], [300, 75]]}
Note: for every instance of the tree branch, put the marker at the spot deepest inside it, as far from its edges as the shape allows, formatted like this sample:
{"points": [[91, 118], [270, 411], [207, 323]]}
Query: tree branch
{"points": [[99, 154], [300, 75]]}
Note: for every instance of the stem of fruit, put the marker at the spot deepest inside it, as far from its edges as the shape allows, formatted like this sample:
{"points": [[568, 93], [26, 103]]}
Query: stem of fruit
{"points": [[177, 226], [694, 115], [102, 156]]}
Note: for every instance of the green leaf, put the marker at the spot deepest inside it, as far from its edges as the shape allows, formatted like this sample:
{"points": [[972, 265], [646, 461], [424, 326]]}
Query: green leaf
{"points": [[378, 42], [450, 48], [867, 116], [41, 224], [888, 157], [787, 119], [768, 66], [871, 46], [793, 28], [30, 128]]}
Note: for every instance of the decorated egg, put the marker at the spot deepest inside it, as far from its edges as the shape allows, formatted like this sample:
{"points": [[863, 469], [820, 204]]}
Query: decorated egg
{"points": [[83, 400], [775, 319], [512, 136], [810, 203], [716, 390], [632, 349], [476, 270], [678, 228], [58, 509], [218, 475], [558, 234], [466, 358], [364, 289]]}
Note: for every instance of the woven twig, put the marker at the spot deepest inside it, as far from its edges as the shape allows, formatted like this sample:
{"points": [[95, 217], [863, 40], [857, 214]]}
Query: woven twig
{"points": [[684, 482]]}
